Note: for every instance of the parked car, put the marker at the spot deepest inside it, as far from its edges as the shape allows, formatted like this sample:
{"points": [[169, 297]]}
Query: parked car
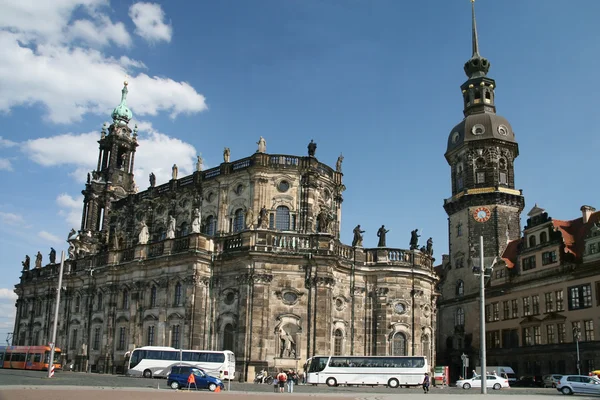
{"points": [[491, 381], [569, 384], [550, 381], [179, 375], [528, 381]]}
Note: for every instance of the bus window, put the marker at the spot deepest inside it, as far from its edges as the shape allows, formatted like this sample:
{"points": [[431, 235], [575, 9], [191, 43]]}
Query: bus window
{"points": [[318, 364], [170, 355], [215, 357], [37, 357], [187, 356], [136, 357], [153, 355]]}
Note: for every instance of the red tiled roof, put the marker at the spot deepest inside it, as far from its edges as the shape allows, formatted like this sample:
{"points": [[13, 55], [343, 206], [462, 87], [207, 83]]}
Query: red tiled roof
{"points": [[573, 233], [511, 252]]}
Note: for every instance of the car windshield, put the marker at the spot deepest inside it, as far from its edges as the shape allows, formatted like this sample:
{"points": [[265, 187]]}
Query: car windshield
{"points": [[197, 372]]}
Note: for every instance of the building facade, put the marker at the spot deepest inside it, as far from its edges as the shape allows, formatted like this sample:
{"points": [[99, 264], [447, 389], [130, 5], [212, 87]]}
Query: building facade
{"points": [[245, 256], [543, 295]]}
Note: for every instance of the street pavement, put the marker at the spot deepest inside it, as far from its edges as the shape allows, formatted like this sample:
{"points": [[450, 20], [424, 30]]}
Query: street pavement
{"points": [[30, 385]]}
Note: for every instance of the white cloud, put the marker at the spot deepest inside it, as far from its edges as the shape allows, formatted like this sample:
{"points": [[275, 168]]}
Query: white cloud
{"points": [[5, 164], [69, 148], [71, 209], [7, 294], [11, 219], [47, 61], [149, 22], [50, 237], [7, 143]]}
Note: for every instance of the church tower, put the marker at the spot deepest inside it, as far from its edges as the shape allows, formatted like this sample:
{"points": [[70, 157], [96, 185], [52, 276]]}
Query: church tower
{"points": [[113, 178], [481, 153]]}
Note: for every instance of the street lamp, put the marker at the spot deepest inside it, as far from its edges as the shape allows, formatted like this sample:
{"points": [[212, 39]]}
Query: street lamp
{"points": [[577, 337]]}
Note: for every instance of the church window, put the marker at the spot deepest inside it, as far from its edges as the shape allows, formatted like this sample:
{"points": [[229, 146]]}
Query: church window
{"points": [[228, 337], [121, 343], [282, 218], [532, 241], [459, 229], [338, 339], [177, 295], [459, 317], [96, 342], [175, 336], [477, 97], [460, 288], [239, 189], [77, 303], [459, 183], [210, 225], [184, 229], [150, 341], [426, 346], [488, 95], [153, 297], [399, 344], [74, 339], [125, 300], [238, 220], [100, 299], [543, 237], [480, 177]]}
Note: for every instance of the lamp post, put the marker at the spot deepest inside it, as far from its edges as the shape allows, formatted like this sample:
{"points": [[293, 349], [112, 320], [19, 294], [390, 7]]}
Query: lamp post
{"points": [[577, 337]]}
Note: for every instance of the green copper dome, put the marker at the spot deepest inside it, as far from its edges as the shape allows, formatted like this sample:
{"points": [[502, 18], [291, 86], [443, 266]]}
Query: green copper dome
{"points": [[122, 113]]}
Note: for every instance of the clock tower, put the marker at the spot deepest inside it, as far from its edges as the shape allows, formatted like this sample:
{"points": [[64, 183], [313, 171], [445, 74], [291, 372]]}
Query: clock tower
{"points": [[481, 153]]}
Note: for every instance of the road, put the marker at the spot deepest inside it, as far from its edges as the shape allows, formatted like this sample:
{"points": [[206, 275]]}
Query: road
{"points": [[33, 385]]}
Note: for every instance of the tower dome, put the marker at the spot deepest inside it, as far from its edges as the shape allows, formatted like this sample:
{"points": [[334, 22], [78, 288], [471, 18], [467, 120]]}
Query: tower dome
{"points": [[121, 115]]}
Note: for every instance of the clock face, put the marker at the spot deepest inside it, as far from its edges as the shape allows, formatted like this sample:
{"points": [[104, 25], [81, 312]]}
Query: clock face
{"points": [[482, 214], [399, 308]]}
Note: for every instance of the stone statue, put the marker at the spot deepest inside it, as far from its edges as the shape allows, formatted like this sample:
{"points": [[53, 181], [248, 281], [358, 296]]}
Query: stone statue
{"points": [[338, 164], [174, 172], [26, 263], [263, 219], [196, 221], [249, 219], [381, 235], [171, 228], [71, 251], [72, 235], [144, 233], [38, 260], [226, 154], [52, 255], [312, 148], [414, 239], [89, 178], [152, 179], [324, 218], [288, 345], [123, 161], [262, 145], [358, 237], [199, 162], [429, 248]]}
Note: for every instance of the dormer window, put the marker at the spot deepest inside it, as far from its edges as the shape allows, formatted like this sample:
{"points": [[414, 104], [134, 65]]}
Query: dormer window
{"points": [[532, 241], [543, 237]]}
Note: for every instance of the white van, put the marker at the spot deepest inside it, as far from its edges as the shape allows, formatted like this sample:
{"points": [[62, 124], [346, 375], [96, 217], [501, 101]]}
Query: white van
{"points": [[505, 372]]}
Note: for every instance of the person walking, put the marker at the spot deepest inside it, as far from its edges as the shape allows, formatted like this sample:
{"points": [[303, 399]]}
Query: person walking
{"points": [[282, 378], [426, 383], [291, 377], [276, 383]]}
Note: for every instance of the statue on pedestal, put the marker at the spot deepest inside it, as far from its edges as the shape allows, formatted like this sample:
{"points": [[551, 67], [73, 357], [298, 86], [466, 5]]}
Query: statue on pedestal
{"points": [[196, 221], [263, 219], [26, 263], [171, 227], [199, 162], [338, 164], [152, 179], [174, 172], [429, 248], [226, 154], [414, 239], [52, 255], [144, 234], [288, 345], [38, 260], [381, 235], [312, 148], [262, 145], [358, 237]]}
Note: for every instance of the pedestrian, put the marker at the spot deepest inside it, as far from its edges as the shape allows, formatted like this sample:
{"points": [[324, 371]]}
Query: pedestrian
{"points": [[426, 383], [282, 378], [291, 377], [276, 383], [443, 380]]}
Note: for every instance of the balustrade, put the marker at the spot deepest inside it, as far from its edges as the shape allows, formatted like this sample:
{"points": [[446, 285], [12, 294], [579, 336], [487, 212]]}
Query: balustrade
{"points": [[211, 173], [127, 255], [283, 161], [156, 249], [241, 164], [187, 180], [181, 244]]}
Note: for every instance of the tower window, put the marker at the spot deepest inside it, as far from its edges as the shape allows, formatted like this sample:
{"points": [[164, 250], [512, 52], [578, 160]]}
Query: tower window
{"points": [[459, 229], [480, 178], [282, 218], [502, 178], [460, 288], [488, 96], [532, 241], [543, 237], [238, 220], [477, 97], [210, 225]]}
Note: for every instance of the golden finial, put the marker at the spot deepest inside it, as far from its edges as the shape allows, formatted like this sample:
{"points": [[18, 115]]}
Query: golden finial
{"points": [[472, 1], [125, 82]]}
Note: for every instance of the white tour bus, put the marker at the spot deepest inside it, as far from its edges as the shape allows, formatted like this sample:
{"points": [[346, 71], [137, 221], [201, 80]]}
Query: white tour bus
{"points": [[150, 361], [392, 371]]}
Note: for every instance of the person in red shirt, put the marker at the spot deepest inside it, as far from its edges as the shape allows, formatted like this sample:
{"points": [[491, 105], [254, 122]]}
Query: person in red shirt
{"points": [[282, 378]]}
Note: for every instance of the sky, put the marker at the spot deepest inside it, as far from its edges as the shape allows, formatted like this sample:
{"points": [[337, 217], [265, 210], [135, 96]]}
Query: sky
{"points": [[375, 80]]}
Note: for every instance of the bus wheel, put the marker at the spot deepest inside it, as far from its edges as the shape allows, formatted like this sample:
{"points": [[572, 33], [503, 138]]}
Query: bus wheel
{"points": [[331, 382], [393, 383], [147, 374]]}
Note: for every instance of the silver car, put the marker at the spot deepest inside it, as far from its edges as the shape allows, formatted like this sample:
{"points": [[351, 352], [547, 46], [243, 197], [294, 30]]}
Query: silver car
{"points": [[569, 384], [551, 380]]}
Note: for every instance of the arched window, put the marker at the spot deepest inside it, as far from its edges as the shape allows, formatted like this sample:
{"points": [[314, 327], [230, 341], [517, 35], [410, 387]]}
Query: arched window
{"points": [[477, 96], [459, 317], [426, 346], [488, 95], [228, 337], [125, 303], [399, 344], [153, 297], [160, 234], [282, 218], [532, 242], [543, 237], [338, 339], [460, 288], [238, 220], [100, 304], [210, 225], [77, 303]]}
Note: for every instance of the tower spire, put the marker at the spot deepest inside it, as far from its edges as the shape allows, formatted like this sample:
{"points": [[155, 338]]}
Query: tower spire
{"points": [[477, 66], [121, 114], [474, 23]]}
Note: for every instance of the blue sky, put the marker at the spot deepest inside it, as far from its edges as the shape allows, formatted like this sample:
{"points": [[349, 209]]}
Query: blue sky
{"points": [[375, 80]]}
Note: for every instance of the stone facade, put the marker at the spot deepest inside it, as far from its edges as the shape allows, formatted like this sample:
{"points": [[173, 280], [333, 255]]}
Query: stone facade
{"points": [[245, 256]]}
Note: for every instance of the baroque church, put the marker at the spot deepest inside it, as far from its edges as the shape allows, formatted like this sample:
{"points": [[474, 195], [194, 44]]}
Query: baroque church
{"points": [[245, 256], [543, 294]]}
